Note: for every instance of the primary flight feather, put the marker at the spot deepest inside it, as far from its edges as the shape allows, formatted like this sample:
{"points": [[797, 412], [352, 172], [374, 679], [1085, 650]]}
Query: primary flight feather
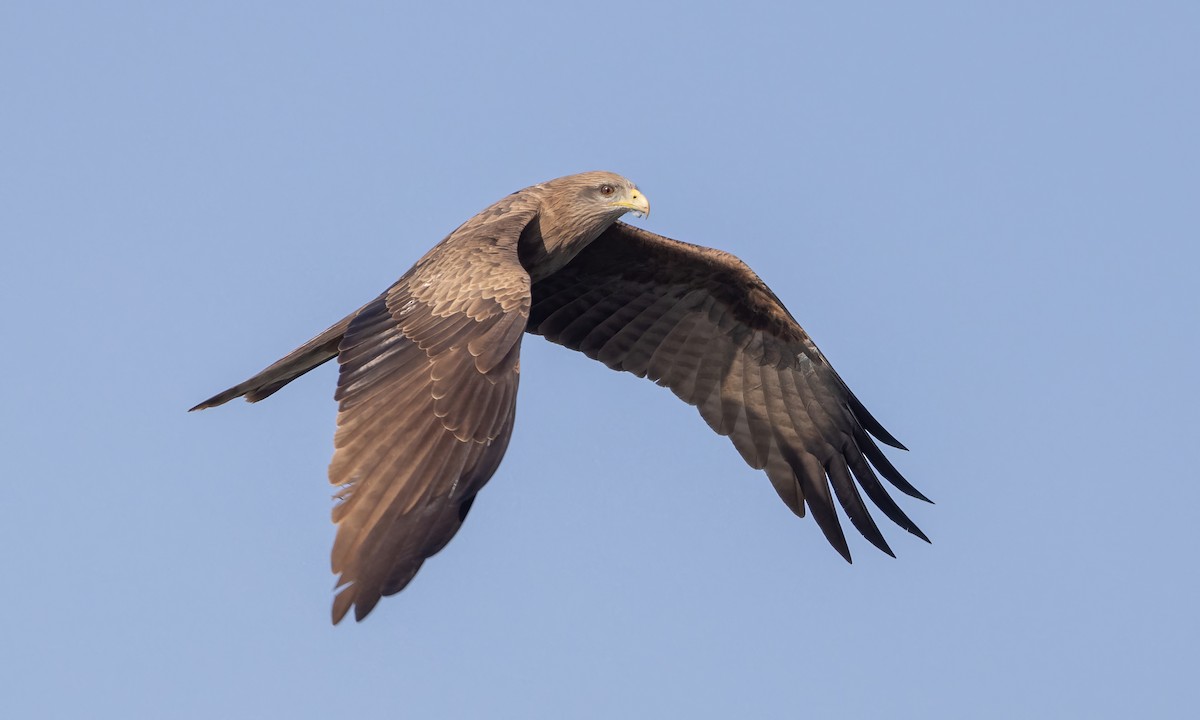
{"points": [[428, 372]]}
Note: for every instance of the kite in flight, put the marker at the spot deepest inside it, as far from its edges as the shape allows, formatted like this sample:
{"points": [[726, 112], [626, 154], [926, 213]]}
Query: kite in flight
{"points": [[428, 371]]}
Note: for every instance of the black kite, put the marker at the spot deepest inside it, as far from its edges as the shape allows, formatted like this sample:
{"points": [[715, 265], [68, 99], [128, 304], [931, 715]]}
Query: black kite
{"points": [[427, 384]]}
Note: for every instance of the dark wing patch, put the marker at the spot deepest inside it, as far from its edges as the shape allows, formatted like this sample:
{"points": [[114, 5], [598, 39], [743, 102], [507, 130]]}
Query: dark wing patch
{"points": [[700, 322]]}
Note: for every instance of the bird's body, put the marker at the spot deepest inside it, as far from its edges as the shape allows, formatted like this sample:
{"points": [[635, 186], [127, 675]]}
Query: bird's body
{"points": [[429, 371]]}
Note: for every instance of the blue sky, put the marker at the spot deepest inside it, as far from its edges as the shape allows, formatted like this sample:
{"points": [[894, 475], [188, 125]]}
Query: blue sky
{"points": [[986, 217]]}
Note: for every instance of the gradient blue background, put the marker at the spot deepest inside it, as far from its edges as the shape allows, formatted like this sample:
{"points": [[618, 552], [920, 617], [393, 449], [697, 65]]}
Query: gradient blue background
{"points": [[988, 219]]}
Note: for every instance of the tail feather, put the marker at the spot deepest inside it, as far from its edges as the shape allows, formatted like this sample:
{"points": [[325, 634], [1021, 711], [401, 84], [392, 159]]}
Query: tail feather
{"points": [[317, 351]]}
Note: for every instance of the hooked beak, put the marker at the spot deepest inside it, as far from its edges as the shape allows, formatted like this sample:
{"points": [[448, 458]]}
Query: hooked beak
{"points": [[636, 204]]}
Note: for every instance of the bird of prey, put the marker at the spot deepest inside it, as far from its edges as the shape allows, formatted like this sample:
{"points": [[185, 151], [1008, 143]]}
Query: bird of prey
{"points": [[428, 372]]}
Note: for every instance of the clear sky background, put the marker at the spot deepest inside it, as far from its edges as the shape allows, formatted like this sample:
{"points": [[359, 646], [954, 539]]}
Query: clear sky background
{"points": [[987, 218]]}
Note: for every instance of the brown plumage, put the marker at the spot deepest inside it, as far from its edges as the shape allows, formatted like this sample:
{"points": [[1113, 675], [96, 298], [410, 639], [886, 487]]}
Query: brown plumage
{"points": [[428, 373]]}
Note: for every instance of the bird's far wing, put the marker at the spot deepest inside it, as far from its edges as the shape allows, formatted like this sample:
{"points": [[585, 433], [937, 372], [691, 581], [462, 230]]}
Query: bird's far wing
{"points": [[701, 323], [426, 393]]}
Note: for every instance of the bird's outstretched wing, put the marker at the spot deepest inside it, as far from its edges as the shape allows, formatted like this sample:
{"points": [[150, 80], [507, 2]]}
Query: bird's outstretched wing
{"points": [[701, 323], [426, 394]]}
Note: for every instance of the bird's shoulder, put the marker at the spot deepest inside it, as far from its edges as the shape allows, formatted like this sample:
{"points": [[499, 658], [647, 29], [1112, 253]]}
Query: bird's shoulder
{"points": [[474, 269]]}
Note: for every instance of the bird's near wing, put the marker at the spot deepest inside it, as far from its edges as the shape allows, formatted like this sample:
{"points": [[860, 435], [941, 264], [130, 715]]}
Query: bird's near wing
{"points": [[700, 322], [426, 390]]}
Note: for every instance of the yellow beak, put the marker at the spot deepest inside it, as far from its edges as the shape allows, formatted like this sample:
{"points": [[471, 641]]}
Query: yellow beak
{"points": [[636, 204]]}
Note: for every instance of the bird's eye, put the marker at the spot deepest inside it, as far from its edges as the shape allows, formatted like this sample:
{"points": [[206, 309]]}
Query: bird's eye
{"points": [[607, 190]]}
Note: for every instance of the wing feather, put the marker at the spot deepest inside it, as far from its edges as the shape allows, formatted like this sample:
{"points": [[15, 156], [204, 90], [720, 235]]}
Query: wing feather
{"points": [[852, 504], [630, 347], [781, 474], [754, 405]]}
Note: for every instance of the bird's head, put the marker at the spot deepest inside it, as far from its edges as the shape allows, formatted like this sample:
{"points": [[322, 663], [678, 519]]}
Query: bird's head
{"points": [[601, 195], [572, 212]]}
